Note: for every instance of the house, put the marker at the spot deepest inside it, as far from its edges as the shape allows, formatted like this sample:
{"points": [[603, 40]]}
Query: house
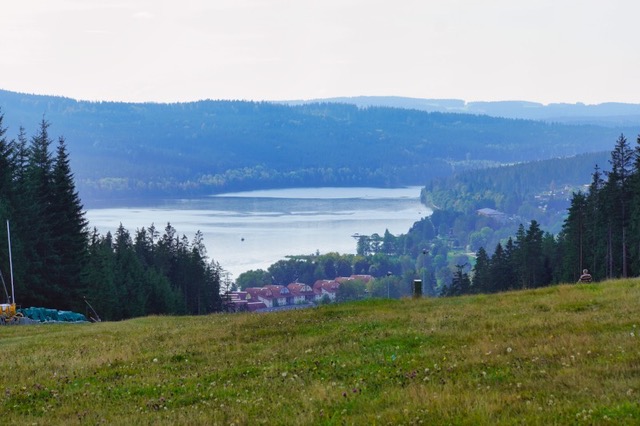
{"points": [[326, 287], [260, 294], [281, 295], [301, 293], [493, 214], [271, 296]]}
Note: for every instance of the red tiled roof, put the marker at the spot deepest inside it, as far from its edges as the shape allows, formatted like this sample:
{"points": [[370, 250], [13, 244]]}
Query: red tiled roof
{"points": [[278, 290], [256, 292], [326, 285], [300, 289]]}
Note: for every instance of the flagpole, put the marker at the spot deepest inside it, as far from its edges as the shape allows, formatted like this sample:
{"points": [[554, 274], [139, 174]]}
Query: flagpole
{"points": [[13, 298]]}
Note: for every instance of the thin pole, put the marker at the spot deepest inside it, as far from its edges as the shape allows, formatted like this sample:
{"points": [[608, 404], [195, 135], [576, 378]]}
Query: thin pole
{"points": [[13, 294]]}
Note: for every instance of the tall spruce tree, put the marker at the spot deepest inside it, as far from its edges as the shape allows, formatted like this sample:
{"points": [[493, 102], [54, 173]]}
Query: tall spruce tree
{"points": [[37, 222], [596, 247], [634, 225], [6, 200], [68, 233], [574, 239], [622, 160], [482, 273]]}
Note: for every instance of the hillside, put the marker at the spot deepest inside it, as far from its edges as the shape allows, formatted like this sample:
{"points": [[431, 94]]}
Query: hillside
{"points": [[538, 190], [151, 150], [607, 114], [558, 355]]}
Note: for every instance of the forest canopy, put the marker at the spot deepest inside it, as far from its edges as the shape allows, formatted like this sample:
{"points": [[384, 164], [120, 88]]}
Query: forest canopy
{"points": [[58, 262], [189, 149]]}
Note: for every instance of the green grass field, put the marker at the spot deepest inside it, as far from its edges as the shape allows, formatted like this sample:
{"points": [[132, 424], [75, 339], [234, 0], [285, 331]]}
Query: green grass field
{"points": [[558, 355]]}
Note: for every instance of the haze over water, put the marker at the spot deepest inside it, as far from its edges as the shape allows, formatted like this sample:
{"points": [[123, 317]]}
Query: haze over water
{"points": [[252, 230]]}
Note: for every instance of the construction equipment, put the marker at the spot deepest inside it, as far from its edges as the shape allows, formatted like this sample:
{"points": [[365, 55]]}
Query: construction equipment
{"points": [[8, 311]]}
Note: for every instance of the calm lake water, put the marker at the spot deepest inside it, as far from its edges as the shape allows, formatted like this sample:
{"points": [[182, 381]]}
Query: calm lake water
{"points": [[251, 230]]}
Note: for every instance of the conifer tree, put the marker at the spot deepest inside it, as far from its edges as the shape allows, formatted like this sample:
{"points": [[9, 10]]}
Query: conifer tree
{"points": [[501, 274], [574, 238], [68, 233], [596, 211], [634, 225], [622, 160], [482, 272], [100, 277], [37, 221], [6, 170]]}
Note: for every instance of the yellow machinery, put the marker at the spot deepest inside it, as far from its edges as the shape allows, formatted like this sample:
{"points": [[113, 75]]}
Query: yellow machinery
{"points": [[8, 313]]}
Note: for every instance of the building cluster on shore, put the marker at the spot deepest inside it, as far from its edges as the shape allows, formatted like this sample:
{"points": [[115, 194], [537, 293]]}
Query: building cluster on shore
{"points": [[295, 294]]}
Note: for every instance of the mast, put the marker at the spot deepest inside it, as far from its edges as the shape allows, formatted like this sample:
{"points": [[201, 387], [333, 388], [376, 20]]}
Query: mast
{"points": [[13, 297]]}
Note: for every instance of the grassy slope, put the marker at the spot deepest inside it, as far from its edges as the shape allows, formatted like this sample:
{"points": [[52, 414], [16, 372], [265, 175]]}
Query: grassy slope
{"points": [[566, 354]]}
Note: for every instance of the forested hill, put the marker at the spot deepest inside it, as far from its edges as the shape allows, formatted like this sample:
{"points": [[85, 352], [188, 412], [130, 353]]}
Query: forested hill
{"points": [[607, 114], [148, 150]]}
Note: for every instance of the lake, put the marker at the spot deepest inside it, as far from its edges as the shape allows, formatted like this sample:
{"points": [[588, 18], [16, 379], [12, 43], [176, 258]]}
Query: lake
{"points": [[252, 230]]}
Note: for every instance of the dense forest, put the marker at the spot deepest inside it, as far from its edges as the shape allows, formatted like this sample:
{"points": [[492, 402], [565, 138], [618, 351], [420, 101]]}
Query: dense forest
{"points": [[189, 149], [607, 114], [539, 190], [58, 262], [600, 234]]}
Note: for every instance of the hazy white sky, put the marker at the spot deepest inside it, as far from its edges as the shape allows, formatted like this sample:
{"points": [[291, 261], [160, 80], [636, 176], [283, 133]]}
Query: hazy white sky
{"points": [[182, 50]]}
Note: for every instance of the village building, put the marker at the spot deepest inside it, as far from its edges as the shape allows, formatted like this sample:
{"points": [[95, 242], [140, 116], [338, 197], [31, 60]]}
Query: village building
{"points": [[496, 215], [301, 293], [326, 287], [272, 296]]}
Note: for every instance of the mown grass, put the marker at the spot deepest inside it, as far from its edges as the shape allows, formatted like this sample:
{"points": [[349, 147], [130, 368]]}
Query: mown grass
{"points": [[559, 355]]}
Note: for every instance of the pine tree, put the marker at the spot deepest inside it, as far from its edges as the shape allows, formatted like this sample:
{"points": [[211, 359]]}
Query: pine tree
{"points": [[36, 223], [594, 227], [100, 277], [6, 170], [622, 160], [574, 238], [68, 233], [500, 272], [482, 272], [6, 198], [534, 266], [634, 226], [130, 281]]}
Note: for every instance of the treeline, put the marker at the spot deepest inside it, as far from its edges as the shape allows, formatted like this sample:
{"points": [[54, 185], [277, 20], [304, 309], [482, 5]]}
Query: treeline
{"points": [[150, 273], [58, 262], [514, 189], [124, 149], [601, 233], [602, 230]]}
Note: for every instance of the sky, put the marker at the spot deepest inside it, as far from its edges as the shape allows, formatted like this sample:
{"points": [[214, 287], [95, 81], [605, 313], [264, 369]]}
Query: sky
{"points": [[544, 51]]}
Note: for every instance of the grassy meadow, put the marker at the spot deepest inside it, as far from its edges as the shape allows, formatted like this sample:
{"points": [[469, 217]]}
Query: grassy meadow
{"points": [[559, 355]]}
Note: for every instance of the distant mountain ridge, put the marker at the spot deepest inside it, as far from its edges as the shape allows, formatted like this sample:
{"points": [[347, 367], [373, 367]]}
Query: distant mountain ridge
{"points": [[149, 150], [606, 114]]}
